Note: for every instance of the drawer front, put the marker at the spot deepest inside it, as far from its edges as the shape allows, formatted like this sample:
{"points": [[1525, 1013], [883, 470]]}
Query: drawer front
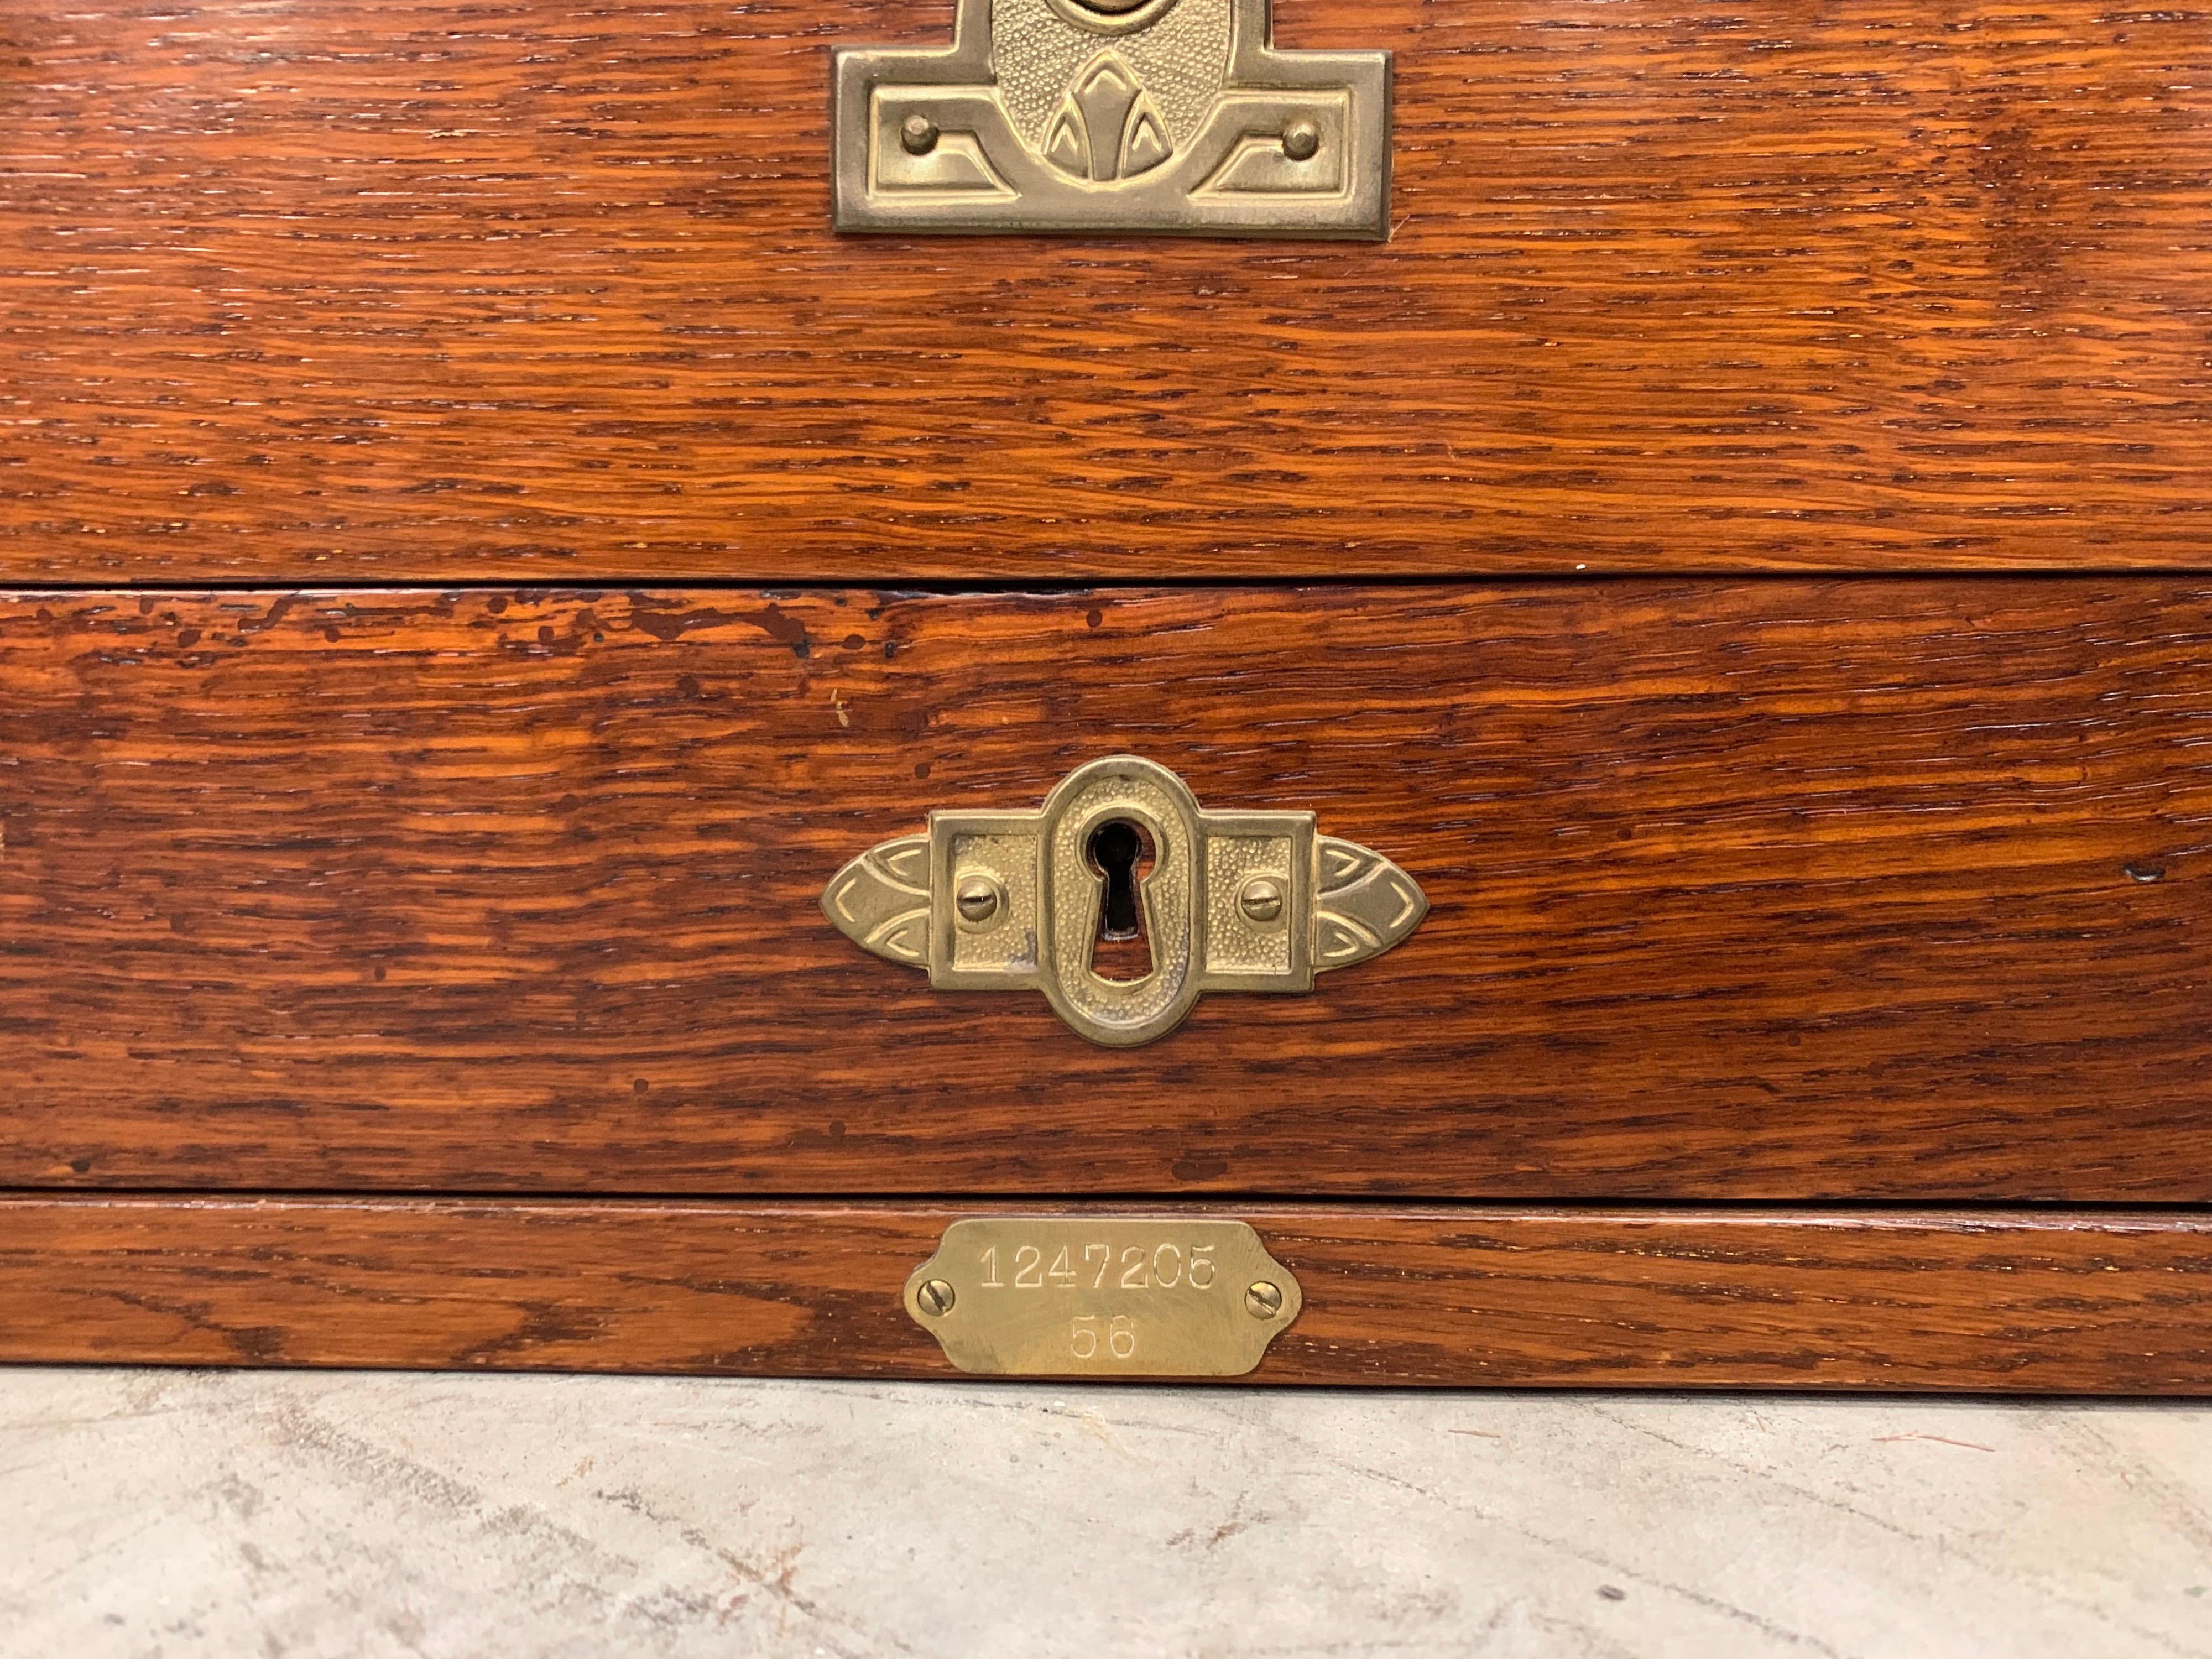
{"points": [[1770, 890], [433, 291]]}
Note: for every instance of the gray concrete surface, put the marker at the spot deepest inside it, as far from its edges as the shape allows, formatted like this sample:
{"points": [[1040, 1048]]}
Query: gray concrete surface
{"points": [[282, 1514]]}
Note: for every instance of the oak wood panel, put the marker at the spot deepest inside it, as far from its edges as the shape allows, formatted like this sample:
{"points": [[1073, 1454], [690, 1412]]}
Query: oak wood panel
{"points": [[1764, 891], [444, 289], [1999, 1301]]}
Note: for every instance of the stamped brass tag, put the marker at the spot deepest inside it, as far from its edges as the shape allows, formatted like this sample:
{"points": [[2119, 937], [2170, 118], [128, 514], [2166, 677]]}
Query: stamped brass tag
{"points": [[1082, 1296]]}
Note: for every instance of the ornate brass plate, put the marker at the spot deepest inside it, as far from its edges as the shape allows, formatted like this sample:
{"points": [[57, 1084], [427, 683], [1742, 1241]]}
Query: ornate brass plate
{"points": [[1128, 1296], [1222, 901], [1174, 116]]}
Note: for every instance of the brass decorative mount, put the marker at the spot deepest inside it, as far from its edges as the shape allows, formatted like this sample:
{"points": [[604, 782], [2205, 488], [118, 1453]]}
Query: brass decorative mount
{"points": [[1174, 117], [1018, 900]]}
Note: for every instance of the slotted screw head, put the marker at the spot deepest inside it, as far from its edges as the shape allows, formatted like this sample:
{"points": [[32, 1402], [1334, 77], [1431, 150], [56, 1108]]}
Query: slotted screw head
{"points": [[935, 1297], [1263, 1300], [977, 899], [1262, 899]]}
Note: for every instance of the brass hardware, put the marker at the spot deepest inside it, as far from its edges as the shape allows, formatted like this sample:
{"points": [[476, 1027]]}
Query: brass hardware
{"points": [[918, 135], [1261, 900], [1148, 115], [1233, 902], [979, 899], [1120, 1296]]}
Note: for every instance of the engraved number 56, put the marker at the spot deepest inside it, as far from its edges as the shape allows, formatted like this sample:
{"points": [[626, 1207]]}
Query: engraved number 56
{"points": [[1121, 1336]]}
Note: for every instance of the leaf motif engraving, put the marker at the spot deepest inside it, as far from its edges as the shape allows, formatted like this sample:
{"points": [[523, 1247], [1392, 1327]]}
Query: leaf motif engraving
{"points": [[880, 901], [1366, 904], [1107, 128]]}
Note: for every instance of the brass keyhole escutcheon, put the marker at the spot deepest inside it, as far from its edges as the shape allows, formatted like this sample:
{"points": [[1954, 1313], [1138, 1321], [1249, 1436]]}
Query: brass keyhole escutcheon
{"points": [[1123, 901], [1122, 853]]}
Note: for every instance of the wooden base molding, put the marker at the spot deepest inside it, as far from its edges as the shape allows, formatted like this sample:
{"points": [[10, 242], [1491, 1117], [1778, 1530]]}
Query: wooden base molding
{"points": [[2012, 1301]]}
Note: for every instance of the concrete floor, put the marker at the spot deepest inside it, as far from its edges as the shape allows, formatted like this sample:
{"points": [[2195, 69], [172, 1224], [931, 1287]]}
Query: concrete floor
{"points": [[287, 1514]]}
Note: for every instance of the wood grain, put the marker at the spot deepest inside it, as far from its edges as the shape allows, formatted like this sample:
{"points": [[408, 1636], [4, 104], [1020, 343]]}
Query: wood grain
{"points": [[1776, 890], [446, 289], [2003, 1302]]}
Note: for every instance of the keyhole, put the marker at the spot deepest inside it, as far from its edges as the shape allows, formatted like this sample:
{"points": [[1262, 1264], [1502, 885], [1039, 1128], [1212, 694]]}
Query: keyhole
{"points": [[1122, 852]]}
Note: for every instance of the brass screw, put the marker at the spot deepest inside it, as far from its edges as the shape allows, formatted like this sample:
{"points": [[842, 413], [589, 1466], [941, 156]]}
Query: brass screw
{"points": [[1263, 1300], [976, 900], [918, 135], [936, 1298], [1301, 140], [1262, 899]]}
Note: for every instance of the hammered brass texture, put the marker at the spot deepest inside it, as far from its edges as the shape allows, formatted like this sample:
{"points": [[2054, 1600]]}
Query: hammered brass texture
{"points": [[1174, 117], [1230, 901]]}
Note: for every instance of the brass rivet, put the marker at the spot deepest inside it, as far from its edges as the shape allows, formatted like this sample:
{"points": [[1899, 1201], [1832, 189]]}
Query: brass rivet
{"points": [[977, 899], [936, 1298], [918, 136], [1301, 140], [1262, 899], [1263, 1300]]}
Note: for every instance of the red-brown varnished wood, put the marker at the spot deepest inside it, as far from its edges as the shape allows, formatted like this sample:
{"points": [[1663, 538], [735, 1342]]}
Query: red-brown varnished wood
{"points": [[2002, 1301], [1765, 891], [439, 289]]}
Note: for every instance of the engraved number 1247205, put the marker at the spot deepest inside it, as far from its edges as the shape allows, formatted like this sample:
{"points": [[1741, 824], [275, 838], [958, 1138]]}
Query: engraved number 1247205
{"points": [[1163, 1267]]}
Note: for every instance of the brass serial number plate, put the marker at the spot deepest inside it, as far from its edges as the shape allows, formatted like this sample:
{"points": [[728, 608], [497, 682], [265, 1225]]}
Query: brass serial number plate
{"points": [[1125, 1296]]}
